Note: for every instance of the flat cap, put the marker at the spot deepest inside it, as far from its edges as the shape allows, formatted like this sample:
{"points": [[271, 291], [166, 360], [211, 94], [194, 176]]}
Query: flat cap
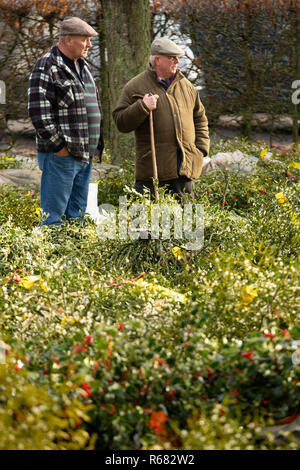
{"points": [[164, 46], [75, 26]]}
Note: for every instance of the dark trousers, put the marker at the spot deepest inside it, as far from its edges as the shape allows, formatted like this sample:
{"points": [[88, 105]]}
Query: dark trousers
{"points": [[179, 187]]}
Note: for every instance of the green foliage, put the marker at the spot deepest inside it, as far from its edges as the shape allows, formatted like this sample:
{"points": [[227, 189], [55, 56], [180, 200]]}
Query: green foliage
{"points": [[33, 418], [8, 160], [111, 187], [149, 359], [237, 143], [217, 430], [20, 206]]}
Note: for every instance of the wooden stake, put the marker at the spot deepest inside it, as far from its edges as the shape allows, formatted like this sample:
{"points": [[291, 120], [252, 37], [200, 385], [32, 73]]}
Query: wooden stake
{"points": [[153, 153]]}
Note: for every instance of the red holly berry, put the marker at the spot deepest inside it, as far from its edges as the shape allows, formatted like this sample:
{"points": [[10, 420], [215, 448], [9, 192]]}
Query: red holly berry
{"points": [[269, 335], [87, 388], [88, 340], [248, 355]]}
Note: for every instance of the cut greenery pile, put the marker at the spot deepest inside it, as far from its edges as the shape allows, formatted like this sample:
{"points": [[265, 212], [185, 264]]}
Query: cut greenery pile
{"points": [[192, 350]]}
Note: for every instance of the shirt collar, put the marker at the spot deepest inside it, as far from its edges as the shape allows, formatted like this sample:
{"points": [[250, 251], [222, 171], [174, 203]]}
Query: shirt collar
{"points": [[166, 80]]}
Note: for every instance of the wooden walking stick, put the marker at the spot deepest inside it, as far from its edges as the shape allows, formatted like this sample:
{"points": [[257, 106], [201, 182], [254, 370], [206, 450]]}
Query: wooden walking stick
{"points": [[155, 174], [153, 154]]}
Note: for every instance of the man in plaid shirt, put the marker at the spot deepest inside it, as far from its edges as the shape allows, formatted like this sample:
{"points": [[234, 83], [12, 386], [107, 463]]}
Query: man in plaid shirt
{"points": [[64, 107]]}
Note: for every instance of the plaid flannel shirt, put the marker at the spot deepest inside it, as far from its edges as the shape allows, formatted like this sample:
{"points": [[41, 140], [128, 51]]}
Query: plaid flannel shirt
{"points": [[57, 109]]}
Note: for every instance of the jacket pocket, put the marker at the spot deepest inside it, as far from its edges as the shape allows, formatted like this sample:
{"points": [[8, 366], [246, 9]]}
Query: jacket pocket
{"points": [[193, 161], [145, 156], [65, 96], [197, 161]]}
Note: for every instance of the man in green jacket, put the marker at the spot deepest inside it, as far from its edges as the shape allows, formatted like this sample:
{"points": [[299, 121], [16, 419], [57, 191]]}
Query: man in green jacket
{"points": [[180, 122]]}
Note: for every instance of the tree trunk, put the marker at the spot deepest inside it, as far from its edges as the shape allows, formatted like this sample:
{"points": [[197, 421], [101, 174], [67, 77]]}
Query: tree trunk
{"points": [[296, 37], [105, 99], [248, 102], [127, 38]]}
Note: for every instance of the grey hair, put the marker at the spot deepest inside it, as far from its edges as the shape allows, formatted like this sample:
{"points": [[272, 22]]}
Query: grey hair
{"points": [[151, 59]]}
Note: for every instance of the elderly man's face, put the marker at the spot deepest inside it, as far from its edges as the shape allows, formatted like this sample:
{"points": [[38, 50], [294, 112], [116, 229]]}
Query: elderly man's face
{"points": [[79, 46], [166, 66]]}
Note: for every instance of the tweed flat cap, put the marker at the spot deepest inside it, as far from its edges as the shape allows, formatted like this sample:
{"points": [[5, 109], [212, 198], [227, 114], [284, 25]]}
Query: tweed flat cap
{"points": [[164, 46], [75, 26]]}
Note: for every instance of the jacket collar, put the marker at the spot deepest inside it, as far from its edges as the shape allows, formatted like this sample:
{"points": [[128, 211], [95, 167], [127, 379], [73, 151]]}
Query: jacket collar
{"points": [[59, 61]]}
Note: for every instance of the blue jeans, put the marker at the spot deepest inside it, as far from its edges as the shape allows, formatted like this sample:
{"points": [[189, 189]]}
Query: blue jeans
{"points": [[64, 186]]}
